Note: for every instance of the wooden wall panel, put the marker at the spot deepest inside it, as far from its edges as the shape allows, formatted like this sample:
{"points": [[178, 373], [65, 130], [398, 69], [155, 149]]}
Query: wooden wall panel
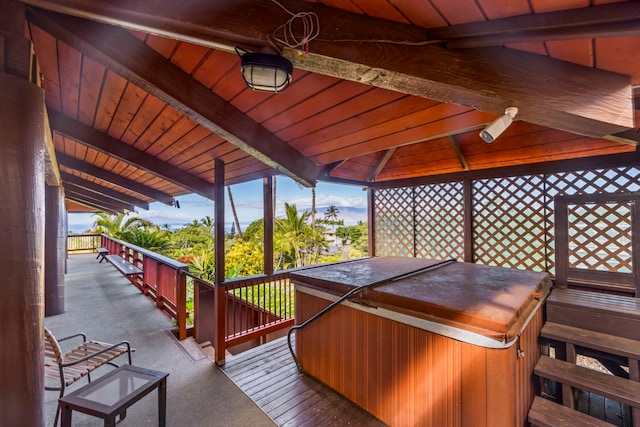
{"points": [[408, 376]]}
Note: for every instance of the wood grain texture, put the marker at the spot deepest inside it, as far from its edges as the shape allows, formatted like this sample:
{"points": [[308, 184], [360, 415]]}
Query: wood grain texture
{"points": [[408, 376]]}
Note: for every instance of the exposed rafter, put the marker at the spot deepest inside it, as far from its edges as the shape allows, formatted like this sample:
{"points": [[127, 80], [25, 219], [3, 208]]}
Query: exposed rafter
{"points": [[92, 204], [591, 102], [608, 20], [587, 163], [104, 143], [100, 189], [456, 147], [381, 164], [97, 198], [129, 57], [110, 177]]}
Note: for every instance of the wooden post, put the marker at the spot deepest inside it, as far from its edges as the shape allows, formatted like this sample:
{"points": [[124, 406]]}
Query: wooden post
{"points": [[182, 305], [220, 292], [22, 165], [54, 260], [267, 197], [371, 195]]}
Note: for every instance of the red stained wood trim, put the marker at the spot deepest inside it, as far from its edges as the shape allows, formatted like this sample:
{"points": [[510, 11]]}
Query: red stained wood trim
{"points": [[113, 147], [576, 22], [66, 177], [104, 175], [130, 57]]}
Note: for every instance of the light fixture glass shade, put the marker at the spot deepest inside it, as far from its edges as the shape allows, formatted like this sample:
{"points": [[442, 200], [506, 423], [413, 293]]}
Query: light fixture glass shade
{"points": [[266, 72]]}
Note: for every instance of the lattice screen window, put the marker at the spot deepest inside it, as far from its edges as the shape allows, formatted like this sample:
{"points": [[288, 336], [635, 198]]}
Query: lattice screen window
{"points": [[440, 221], [600, 237], [509, 217], [394, 222], [616, 180]]}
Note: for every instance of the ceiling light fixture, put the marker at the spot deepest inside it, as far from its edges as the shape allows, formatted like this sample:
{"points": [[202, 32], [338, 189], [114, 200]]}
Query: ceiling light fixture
{"points": [[499, 125], [264, 71]]}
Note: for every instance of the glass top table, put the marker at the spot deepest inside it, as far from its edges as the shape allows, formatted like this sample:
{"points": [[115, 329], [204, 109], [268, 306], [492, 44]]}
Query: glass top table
{"points": [[111, 394]]}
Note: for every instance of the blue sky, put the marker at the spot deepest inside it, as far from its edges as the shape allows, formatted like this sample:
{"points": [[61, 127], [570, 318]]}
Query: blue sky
{"points": [[351, 202]]}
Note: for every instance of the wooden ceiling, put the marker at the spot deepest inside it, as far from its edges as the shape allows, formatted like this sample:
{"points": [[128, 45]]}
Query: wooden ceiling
{"points": [[143, 96]]}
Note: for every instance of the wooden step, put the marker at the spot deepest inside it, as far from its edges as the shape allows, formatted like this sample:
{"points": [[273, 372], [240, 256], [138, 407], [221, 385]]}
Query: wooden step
{"points": [[608, 314], [544, 413], [591, 339], [616, 388]]}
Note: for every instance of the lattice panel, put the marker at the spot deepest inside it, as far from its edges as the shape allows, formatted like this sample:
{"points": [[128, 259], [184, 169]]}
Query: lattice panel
{"points": [[513, 220], [509, 222], [394, 222], [440, 221], [600, 237], [616, 180]]}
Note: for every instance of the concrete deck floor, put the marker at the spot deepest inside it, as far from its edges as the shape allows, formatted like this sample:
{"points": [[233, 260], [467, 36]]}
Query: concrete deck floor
{"points": [[102, 303]]}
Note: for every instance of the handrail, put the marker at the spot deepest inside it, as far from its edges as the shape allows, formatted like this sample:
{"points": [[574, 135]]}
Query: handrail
{"points": [[226, 314], [350, 294], [146, 252]]}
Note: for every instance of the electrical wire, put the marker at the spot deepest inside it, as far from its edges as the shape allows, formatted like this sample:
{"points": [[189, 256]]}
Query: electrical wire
{"points": [[289, 37]]}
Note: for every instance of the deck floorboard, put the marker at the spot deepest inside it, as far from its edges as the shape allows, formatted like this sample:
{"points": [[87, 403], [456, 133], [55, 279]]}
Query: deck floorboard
{"points": [[268, 375]]}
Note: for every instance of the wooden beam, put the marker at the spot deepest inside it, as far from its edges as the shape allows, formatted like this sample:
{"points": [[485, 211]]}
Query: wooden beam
{"points": [[630, 28], [79, 199], [104, 143], [629, 137], [97, 188], [489, 79], [456, 147], [381, 164], [586, 163], [608, 20], [129, 57], [591, 102], [97, 198], [113, 178]]}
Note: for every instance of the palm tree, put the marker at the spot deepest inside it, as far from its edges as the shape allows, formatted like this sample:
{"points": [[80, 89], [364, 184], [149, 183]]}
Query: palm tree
{"points": [[332, 215], [313, 206], [296, 243], [235, 214], [208, 222], [116, 225]]}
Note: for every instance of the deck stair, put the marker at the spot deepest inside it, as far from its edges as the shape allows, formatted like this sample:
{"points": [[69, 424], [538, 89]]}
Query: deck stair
{"points": [[605, 327]]}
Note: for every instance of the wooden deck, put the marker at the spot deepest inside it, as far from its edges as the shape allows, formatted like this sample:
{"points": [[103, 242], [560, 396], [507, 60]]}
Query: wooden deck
{"points": [[268, 375]]}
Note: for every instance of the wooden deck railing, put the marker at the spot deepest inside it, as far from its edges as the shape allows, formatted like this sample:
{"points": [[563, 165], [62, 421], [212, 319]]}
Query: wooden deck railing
{"points": [[83, 242], [243, 310], [234, 312]]}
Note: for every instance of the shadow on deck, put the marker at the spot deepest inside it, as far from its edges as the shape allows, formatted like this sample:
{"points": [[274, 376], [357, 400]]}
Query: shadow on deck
{"points": [[268, 375], [257, 388], [103, 304]]}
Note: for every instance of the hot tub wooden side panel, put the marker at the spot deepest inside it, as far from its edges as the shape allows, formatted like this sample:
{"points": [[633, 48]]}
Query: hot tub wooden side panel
{"points": [[408, 376]]}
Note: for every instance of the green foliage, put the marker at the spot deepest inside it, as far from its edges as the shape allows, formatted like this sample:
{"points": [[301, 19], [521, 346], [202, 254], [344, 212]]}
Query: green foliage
{"points": [[194, 236], [255, 231], [349, 233], [272, 298], [115, 225], [153, 239], [296, 243], [244, 259], [360, 244], [203, 265]]}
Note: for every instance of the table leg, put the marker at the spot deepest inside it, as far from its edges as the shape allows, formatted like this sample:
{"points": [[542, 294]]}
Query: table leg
{"points": [[110, 421], [65, 416], [162, 403]]}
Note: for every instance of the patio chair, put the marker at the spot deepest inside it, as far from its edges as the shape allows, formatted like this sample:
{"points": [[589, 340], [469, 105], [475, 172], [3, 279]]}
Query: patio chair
{"points": [[62, 370]]}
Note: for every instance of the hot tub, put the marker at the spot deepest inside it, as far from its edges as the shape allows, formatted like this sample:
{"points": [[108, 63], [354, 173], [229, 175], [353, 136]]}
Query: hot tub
{"points": [[432, 343]]}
